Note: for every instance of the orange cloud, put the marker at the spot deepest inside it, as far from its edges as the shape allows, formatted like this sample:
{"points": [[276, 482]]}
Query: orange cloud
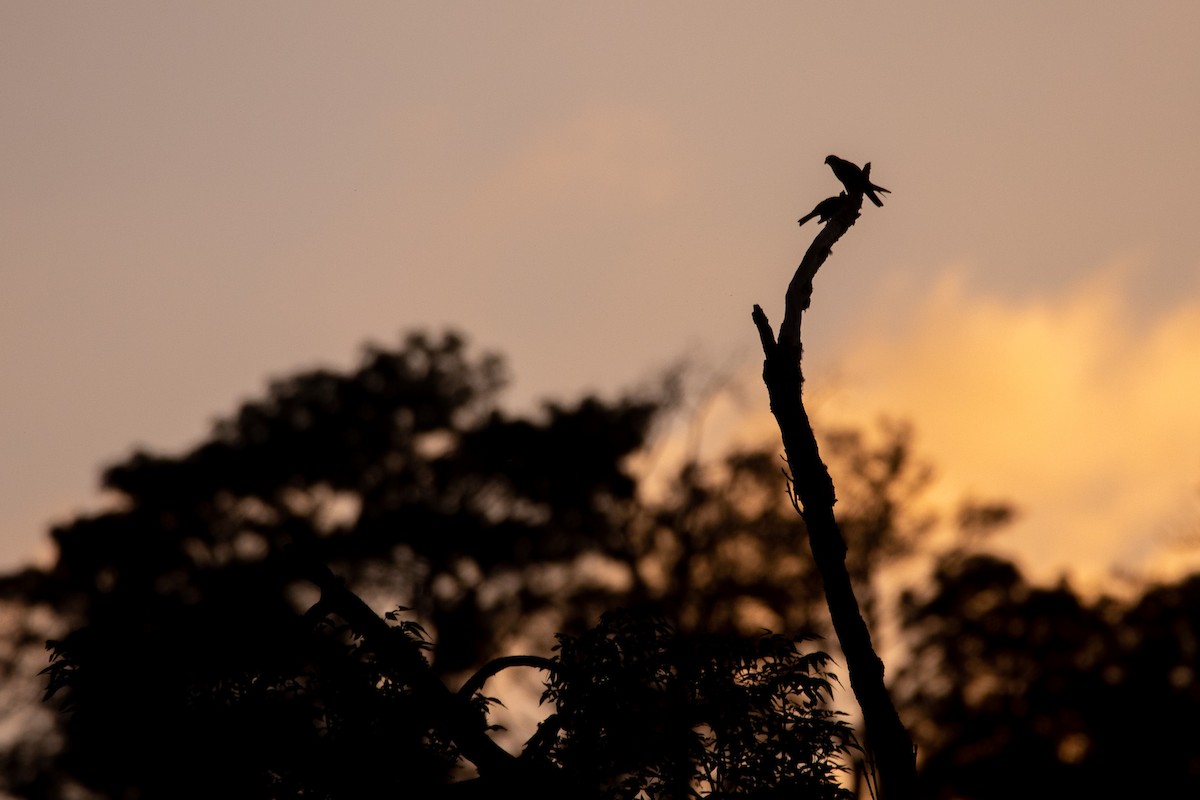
{"points": [[1067, 406]]}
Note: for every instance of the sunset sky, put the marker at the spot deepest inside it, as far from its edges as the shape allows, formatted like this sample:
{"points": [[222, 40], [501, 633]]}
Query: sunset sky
{"points": [[197, 198]]}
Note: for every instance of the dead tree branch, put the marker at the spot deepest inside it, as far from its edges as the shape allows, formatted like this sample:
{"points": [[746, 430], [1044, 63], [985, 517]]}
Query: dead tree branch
{"points": [[887, 739]]}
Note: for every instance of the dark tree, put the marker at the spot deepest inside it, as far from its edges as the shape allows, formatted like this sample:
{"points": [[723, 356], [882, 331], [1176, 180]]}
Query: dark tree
{"points": [[218, 631], [402, 475], [718, 553], [355, 710], [196, 593], [644, 712], [1036, 692], [190, 646]]}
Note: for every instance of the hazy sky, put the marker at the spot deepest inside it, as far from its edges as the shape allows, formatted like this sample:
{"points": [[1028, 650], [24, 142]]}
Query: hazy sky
{"points": [[199, 197]]}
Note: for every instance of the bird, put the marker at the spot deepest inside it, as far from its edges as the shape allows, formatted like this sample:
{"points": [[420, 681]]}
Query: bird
{"points": [[825, 209], [856, 180]]}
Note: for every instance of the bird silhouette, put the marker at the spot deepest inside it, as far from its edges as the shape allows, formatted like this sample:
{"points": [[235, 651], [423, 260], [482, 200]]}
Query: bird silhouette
{"points": [[825, 209], [856, 180]]}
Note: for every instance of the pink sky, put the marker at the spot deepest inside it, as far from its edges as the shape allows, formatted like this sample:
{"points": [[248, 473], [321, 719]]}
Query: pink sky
{"points": [[197, 198]]}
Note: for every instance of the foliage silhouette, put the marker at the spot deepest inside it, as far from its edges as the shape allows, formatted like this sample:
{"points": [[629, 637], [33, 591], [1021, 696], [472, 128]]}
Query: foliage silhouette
{"points": [[1033, 691], [309, 711], [637, 710], [645, 712], [405, 476], [190, 645], [719, 552], [401, 474]]}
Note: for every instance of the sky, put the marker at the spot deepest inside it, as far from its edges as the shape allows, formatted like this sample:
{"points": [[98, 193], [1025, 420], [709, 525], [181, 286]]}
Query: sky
{"points": [[198, 198]]}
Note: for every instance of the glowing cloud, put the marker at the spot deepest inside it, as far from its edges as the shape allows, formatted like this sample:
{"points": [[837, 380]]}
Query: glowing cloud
{"points": [[1067, 406]]}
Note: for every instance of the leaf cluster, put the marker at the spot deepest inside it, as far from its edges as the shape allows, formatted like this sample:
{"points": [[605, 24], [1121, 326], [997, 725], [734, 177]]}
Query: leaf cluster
{"points": [[644, 711]]}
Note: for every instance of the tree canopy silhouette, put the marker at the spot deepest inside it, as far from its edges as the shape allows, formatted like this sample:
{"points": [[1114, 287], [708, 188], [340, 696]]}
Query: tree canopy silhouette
{"points": [[193, 652], [191, 597], [217, 630], [1035, 691], [401, 474]]}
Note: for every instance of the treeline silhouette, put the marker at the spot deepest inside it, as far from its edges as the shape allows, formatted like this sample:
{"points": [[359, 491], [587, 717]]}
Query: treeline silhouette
{"points": [[204, 641]]}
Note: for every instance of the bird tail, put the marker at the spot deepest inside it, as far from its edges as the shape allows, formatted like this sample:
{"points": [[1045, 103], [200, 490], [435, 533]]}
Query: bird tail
{"points": [[867, 178], [806, 218], [872, 188]]}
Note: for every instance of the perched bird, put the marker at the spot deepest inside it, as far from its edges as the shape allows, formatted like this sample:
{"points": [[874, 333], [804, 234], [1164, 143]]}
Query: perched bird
{"points": [[825, 209], [855, 180]]}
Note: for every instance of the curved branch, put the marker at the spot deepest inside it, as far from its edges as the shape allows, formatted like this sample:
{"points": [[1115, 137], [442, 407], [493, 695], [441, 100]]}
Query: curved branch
{"points": [[476, 681]]}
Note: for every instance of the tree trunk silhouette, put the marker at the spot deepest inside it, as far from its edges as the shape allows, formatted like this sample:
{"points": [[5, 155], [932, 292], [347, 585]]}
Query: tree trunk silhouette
{"points": [[887, 740]]}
